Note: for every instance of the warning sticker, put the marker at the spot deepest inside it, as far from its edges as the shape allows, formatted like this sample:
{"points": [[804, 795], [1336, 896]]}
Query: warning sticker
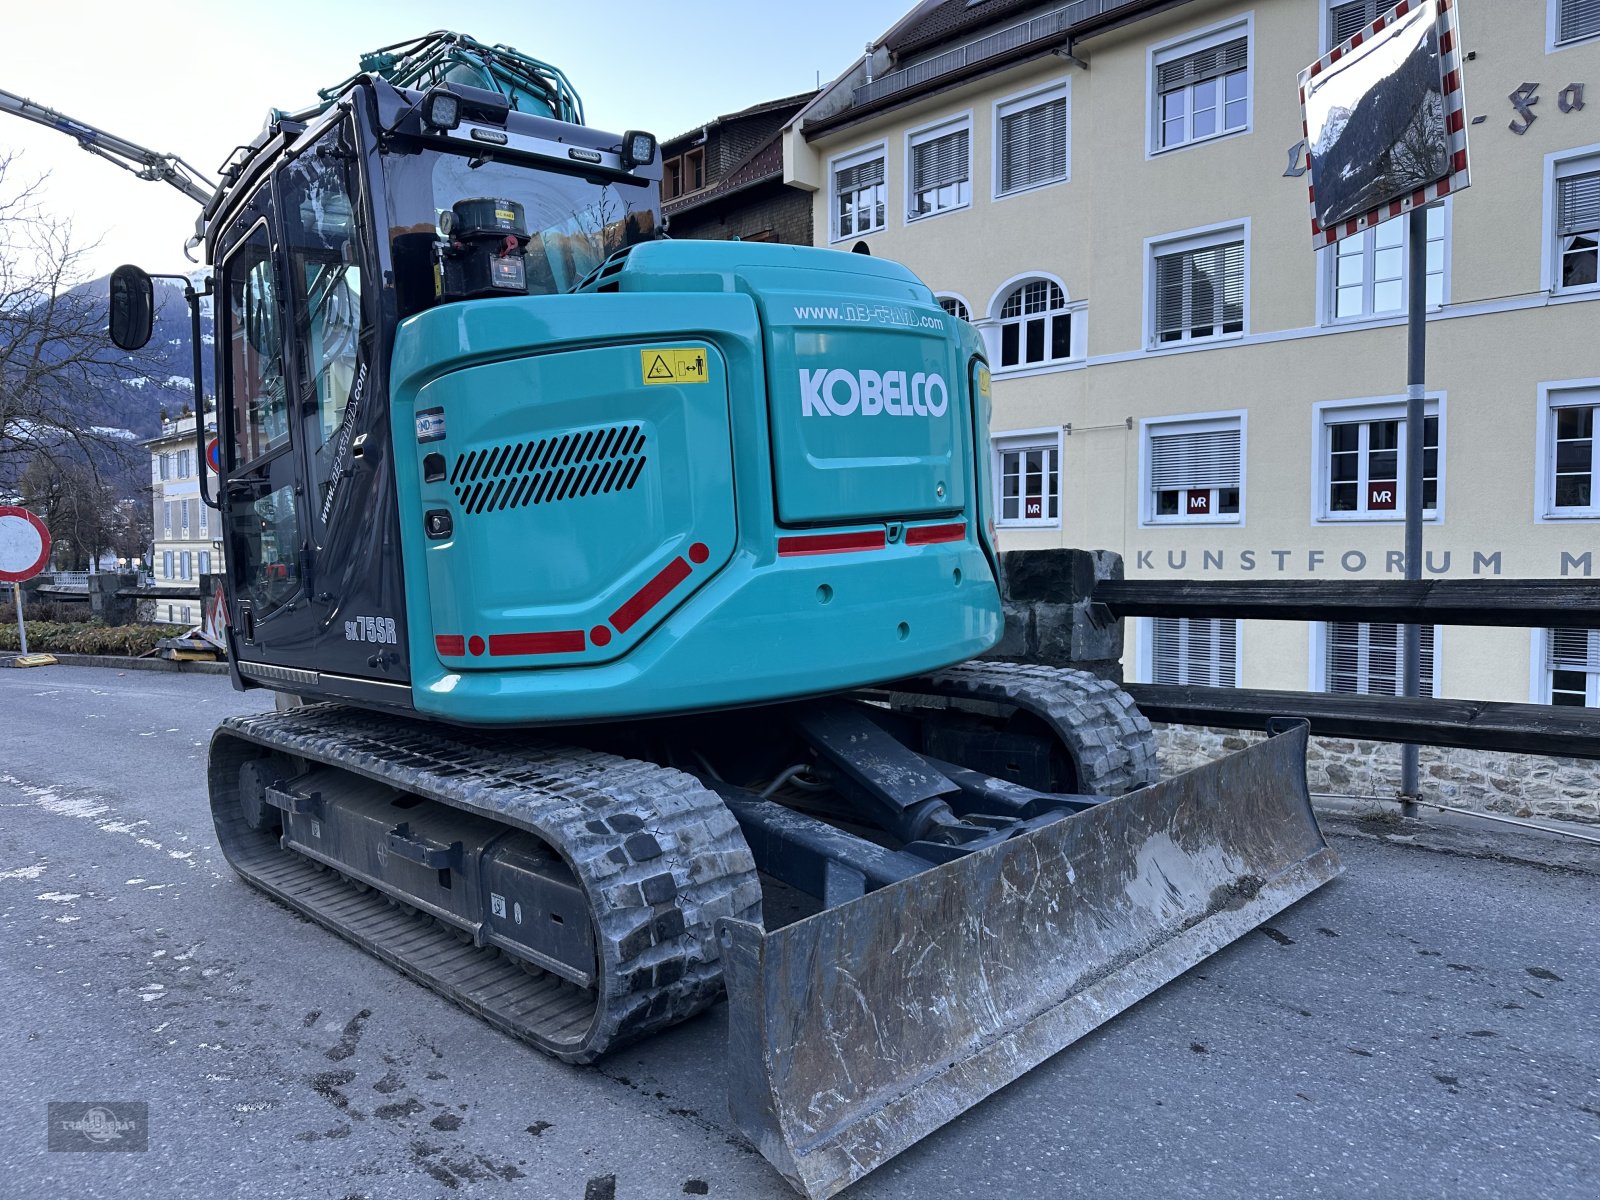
{"points": [[673, 366]]}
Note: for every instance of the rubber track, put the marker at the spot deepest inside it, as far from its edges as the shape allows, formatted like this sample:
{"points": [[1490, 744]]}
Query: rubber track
{"points": [[1109, 739], [659, 857]]}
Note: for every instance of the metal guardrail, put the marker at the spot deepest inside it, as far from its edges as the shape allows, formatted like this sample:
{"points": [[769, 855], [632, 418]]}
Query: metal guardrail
{"points": [[990, 46], [1425, 721]]}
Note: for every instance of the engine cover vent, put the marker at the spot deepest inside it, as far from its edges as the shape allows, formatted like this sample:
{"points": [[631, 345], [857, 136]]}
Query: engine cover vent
{"points": [[549, 470]]}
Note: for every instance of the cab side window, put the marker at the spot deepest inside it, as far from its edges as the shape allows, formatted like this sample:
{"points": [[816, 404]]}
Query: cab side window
{"points": [[320, 234], [264, 542], [257, 387]]}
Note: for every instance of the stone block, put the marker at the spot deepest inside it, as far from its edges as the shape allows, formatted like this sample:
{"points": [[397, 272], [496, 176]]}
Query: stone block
{"points": [[1053, 576]]}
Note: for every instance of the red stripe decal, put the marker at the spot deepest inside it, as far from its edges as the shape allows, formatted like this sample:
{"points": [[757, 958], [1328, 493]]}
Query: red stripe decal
{"points": [[1452, 81], [1460, 161], [650, 595], [832, 543], [1455, 121], [450, 644], [563, 641], [1446, 43], [928, 535]]}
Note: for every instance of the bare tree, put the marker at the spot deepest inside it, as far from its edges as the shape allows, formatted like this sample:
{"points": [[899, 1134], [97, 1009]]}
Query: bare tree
{"points": [[56, 362]]}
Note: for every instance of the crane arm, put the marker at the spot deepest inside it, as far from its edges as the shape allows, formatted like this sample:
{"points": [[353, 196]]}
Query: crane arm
{"points": [[130, 156]]}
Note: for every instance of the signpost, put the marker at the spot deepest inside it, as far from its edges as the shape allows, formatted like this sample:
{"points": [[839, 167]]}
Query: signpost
{"points": [[1384, 120], [24, 551]]}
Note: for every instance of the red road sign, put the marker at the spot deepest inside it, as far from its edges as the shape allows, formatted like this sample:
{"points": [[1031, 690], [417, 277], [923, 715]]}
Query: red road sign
{"points": [[214, 456], [24, 544]]}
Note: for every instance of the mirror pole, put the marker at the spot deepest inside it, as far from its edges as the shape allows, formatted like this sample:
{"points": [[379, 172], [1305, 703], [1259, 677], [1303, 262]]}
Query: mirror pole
{"points": [[193, 297]]}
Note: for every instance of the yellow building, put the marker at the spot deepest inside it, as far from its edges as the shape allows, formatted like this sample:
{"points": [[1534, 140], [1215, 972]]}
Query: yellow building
{"points": [[1114, 194], [188, 537]]}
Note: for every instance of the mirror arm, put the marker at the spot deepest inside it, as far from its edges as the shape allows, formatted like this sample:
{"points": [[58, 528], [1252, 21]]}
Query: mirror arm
{"points": [[193, 297]]}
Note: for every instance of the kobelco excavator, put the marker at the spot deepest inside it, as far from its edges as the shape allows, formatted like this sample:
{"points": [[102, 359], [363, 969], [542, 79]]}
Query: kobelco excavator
{"points": [[625, 580]]}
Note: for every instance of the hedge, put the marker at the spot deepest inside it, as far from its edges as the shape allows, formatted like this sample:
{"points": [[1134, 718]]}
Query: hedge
{"points": [[78, 637]]}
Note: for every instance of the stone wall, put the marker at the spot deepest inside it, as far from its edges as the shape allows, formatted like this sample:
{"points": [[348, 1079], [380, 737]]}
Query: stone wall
{"points": [[1524, 785]]}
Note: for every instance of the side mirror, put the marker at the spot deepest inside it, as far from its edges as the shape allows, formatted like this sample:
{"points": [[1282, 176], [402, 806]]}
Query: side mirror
{"points": [[132, 307]]}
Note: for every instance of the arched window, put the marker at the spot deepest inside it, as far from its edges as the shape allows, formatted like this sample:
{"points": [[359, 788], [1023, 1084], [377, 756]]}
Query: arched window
{"points": [[1035, 326], [955, 306]]}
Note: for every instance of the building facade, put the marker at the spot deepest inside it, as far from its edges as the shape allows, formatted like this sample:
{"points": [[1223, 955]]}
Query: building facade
{"points": [[1114, 194], [724, 181], [188, 536]]}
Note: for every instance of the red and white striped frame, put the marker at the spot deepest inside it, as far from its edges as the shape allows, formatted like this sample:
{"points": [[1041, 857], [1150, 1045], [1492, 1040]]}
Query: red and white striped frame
{"points": [[1455, 121]]}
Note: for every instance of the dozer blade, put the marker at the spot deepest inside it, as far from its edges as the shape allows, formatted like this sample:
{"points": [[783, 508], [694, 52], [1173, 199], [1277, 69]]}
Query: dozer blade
{"points": [[858, 1031]]}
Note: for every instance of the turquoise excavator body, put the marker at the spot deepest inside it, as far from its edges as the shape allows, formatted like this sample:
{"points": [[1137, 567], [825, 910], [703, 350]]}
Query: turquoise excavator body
{"points": [[726, 473]]}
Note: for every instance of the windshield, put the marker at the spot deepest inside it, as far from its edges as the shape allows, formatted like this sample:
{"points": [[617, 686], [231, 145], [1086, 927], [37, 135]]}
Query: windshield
{"points": [[574, 224]]}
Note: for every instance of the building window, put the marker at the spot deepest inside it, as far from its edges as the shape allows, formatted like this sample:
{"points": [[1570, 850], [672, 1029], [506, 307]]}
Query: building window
{"points": [[1198, 651], [204, 518], [1036, 326], [166, 564], [940, 163], [954, 305], [166, 517], [1364, 659], [166, 466], [1199, 289], [694, 170], [1575, 20], [1572, 667], [1350, 18], [1033, 136], [672, 179], [1367, 272], [1193, 470], [205, 562], [1028, 469], [1361, 459], [1577, 222], [860, 195], [1202, 88], [183, 510], [1570, 460]]}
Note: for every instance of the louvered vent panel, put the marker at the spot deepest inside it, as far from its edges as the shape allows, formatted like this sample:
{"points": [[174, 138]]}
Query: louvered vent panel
{"points": [[549, 470]]}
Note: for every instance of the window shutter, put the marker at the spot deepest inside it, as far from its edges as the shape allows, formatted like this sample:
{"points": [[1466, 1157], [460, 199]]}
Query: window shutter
{"points": [[853, 179], [1579, 19], [939, 161], [1573, 650], [1204, 652], [1578, 202], [1033, 145], [1347, 20], [1190, 284], [1366, 659], [1205, 458], [1203, 65]]}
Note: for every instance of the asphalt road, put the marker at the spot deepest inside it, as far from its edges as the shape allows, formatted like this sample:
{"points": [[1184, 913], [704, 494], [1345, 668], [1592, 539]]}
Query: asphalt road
{"points": [[1424, 1026]]}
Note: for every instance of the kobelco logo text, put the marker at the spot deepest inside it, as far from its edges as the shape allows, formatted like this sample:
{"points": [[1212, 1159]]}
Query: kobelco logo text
{"points": [[840, 393]]}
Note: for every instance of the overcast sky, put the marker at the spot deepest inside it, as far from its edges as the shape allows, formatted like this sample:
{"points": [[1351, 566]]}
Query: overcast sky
{"points": [[197, 79]]}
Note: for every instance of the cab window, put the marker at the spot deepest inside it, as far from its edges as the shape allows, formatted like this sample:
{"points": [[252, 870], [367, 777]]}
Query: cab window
{"points": [[257, 390]]}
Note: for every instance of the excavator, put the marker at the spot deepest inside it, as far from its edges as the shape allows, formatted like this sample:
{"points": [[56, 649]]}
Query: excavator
{"points": [[625, 597]]}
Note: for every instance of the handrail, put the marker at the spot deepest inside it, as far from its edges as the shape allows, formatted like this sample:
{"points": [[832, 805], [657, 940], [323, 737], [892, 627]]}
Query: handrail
{"points": [[1513, 603]]}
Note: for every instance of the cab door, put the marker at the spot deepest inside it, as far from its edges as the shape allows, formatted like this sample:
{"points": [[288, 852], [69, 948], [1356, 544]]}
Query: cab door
{"points": [[263, 500]]}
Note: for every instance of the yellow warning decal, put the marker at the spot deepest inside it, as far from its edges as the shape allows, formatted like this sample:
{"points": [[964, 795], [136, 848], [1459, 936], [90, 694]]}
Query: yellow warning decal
{"points": [[983, 382], [505, 214], [673, 366]]}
